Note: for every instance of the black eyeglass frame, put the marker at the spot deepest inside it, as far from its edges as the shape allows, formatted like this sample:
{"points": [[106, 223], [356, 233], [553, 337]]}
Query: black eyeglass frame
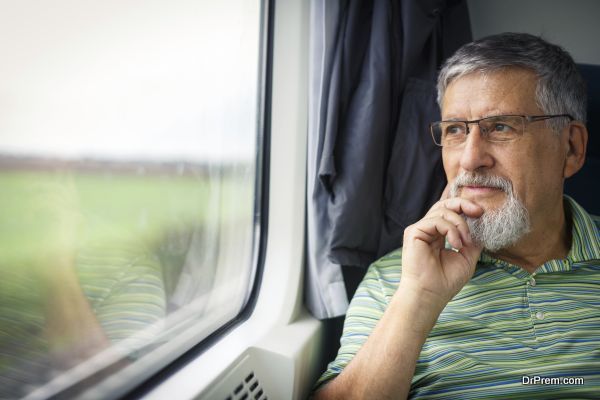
{"points": [[526, 120]]}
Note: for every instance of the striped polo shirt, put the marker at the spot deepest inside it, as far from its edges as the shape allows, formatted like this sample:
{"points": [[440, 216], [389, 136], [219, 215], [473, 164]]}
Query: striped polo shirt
{"points": [[507, 333]]}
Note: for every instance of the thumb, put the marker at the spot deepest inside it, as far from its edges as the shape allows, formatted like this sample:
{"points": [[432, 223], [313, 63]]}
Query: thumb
{"points": [[471, 252]]}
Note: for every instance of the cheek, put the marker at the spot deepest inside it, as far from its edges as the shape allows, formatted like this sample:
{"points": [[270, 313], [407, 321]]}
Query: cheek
{"points": [[450, 164], [536, 174]]}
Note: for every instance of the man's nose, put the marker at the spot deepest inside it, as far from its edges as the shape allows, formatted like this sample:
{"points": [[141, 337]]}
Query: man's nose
{"points": [[475, 152]]}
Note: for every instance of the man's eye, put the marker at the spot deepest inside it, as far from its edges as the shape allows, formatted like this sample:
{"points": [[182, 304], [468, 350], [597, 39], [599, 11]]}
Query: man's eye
{"points": [[502, 128], [454, 130]]}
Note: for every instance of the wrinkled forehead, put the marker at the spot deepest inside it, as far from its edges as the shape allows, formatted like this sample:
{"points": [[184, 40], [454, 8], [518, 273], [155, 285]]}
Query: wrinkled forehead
{"points": [[486, 93]]}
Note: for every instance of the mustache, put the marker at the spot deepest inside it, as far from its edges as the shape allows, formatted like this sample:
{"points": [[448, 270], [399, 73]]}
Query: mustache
{"points": [[474, 179]]}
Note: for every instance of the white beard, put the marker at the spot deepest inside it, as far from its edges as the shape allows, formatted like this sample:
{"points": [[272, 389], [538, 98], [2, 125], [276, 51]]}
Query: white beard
{"points": [[500, 228]]}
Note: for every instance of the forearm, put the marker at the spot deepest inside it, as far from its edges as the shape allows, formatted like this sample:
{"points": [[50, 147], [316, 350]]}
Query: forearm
{"points": [[385, 365]]}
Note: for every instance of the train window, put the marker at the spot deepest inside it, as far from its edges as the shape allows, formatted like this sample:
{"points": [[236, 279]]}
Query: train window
{"points": [[128, 182]]}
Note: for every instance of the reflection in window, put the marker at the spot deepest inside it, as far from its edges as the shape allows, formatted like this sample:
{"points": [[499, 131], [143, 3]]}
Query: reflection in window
{"points": [[127, 183]]}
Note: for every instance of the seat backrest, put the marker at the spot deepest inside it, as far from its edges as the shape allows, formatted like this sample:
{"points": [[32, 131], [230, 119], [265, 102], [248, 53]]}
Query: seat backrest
{"points": [[584, 185]]}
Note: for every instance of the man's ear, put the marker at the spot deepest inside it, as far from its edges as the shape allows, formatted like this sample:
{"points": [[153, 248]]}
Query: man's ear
{"points": [[578, 137]]}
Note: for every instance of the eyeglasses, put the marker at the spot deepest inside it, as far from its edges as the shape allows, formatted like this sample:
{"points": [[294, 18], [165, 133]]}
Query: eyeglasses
{"points": [[499, 128]]}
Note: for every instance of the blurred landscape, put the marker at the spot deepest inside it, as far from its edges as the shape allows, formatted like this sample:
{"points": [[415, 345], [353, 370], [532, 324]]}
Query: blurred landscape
{"points": [[157, 205]]}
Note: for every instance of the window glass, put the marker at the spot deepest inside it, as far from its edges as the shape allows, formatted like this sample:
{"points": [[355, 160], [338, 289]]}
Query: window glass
{"points": [[128, 165]]}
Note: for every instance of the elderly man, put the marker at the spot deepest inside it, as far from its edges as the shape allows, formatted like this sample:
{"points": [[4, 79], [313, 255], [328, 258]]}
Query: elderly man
{"points": [[496, 292]]}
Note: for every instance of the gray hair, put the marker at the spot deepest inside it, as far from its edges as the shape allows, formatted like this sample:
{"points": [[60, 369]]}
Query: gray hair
{"points": [[560, 87]]}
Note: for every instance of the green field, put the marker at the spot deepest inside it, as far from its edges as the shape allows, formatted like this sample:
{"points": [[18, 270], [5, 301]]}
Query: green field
{"points": [[53, 211]]}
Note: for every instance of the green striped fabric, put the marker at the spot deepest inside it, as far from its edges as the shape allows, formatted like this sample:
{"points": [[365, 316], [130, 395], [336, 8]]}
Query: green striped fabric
{"points": [[506, 327], [124, 286]]}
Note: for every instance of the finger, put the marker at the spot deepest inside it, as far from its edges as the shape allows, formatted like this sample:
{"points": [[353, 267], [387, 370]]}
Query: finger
{"points": [[455, 219], [459, 206], [432, 229], [471, 252]]}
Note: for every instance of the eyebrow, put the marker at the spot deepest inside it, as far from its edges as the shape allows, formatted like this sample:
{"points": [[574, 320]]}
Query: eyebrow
{"points": [[491, 113]]}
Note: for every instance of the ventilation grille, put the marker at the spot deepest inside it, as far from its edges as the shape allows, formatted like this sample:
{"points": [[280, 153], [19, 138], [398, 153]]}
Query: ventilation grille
{"points": [[248, 389]]}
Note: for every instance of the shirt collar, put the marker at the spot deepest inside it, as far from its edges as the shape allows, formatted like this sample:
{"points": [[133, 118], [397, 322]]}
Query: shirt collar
{"points": [[586, 235]]}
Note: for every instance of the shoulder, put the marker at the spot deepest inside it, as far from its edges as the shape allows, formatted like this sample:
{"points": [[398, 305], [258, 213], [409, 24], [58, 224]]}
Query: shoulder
{"points": [[390, 265], [382, 277], [596, 220], [585, 224]]}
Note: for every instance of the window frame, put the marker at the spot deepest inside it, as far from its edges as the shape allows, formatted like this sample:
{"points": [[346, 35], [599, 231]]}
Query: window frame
{"points": [[279, 326], [261, 207]]}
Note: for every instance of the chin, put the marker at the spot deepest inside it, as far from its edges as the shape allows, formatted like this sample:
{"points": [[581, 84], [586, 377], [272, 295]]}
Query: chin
{"points": [[487, 203]]}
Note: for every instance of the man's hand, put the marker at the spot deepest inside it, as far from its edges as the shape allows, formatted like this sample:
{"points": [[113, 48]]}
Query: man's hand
{"points": [[428, 268]]}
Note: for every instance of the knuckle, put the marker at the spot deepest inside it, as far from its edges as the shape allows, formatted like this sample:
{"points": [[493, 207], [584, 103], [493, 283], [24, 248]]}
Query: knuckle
{"points": [[409, 231], [437, 205]]}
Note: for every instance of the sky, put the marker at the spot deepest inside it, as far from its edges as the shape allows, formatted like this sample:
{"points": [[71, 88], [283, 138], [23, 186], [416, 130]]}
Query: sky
{"points": [[129, 79]]}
